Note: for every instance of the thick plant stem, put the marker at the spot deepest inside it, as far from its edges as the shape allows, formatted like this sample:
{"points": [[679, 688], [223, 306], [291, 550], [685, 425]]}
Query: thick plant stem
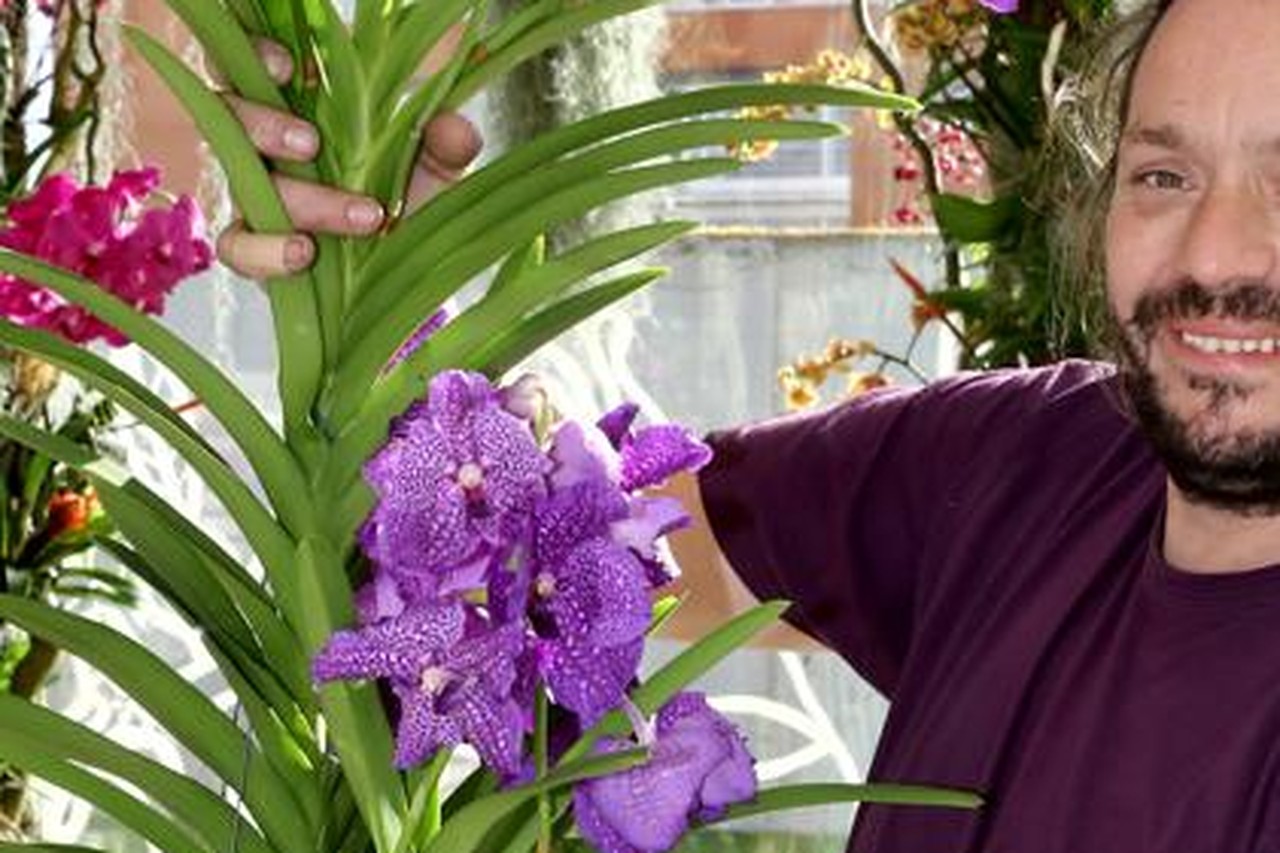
{"points": [[31, 673], [28, 678], [546, 817]]}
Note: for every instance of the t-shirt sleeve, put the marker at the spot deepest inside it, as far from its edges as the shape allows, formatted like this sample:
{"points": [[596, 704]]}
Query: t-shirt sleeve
{"points": [[833, 510], [818, 509]]}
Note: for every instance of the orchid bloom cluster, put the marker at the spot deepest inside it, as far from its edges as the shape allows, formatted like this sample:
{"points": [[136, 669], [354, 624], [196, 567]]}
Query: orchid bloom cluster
{"points": [[113, 235], [501, 563]]}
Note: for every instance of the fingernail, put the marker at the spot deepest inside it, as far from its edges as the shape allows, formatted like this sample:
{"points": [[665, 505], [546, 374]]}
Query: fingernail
{"points": [[298, 252], [279, 65], [364, 215], [301, 139]]}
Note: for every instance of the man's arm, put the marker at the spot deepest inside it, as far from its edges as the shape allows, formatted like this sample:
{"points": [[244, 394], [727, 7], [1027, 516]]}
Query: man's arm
{"points": [[711, 589]]}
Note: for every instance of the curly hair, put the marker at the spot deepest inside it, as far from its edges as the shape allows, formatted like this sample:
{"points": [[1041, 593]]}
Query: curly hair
{"points": [[1079, 163]]}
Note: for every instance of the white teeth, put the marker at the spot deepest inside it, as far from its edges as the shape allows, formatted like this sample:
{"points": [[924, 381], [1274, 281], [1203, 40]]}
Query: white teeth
{"points": [[1210, 344]]}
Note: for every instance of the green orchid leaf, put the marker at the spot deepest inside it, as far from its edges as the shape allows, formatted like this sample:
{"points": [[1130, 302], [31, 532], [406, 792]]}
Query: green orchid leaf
{"points": [[343, 111], [787, 797], [378, 285], [62, 449], [678, 673], [402, 242], [98, 373], [414, 292], [370, 28], [498, 311], [465, 830], [520, 261], [520, 23], [204, 595], [124, 806], [392, 162], [423, 819], [96, 585], [30, 730], [479, 783], [258, 526], [177, 705], [488, 318], [549, 32], [964, 220], [354, 714], [418, 30], [293, 759], [270, 459], [387, 268], [222, 34], [293, 300], [248, 15], [263, 683], [503, 352], [663, 609], [269, 541]]}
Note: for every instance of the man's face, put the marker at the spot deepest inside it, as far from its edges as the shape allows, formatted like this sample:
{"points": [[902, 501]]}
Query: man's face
{"points": [[1193, 249]]}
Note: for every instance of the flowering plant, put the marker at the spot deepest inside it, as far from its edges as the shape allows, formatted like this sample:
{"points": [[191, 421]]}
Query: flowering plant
{"points": [[991, 71], [120, 236], [415, 524]]}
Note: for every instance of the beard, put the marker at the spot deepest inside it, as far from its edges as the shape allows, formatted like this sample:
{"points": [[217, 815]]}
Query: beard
{"points": [[1238, 472]]}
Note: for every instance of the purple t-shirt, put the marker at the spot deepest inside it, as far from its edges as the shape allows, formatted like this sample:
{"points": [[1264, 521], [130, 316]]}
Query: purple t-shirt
{"points": [[986, 551]]}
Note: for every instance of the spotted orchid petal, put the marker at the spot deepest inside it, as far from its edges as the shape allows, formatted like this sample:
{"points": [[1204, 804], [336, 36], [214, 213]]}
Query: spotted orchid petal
{"points": [[655, 453], [395, 648], [598, 595], [456, 474], [588, 680], [697, 766], [452, 673]]}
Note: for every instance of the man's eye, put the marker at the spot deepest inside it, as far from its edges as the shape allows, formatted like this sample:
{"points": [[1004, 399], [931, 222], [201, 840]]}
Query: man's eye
{"points": [[1159, 179]]}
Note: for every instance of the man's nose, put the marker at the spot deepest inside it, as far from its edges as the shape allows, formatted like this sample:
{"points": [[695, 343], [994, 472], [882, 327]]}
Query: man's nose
{"points": [[1232, 235]]}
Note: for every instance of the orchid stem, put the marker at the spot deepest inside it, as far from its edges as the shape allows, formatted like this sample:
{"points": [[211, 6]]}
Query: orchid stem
{"points": [[541, 711]]}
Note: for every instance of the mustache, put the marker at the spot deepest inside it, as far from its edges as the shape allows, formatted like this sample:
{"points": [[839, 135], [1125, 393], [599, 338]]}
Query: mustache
{"points": [[1191, 300]]}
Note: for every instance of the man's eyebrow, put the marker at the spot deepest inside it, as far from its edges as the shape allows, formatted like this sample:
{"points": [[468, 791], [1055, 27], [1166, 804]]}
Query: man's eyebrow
{"points": [[1160, 136]]}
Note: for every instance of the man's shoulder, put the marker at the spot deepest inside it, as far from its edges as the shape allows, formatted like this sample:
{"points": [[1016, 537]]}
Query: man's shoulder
{"points": [[1003, 414], [1065, 384]]}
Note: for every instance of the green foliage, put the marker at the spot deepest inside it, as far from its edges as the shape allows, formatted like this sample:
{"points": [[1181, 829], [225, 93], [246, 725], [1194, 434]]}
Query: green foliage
{"points": [[1009, 298], [313, 772]]}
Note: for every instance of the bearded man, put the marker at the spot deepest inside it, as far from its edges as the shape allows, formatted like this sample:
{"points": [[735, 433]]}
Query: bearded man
{"points": [[1066, 580]]}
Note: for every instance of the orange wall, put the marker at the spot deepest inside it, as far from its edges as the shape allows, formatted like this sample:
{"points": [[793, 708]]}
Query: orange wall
{"points": [[753, 39], [162, 134]]}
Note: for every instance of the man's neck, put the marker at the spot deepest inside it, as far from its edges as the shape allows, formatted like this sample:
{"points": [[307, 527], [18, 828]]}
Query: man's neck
{"points": [[1209, 540]]}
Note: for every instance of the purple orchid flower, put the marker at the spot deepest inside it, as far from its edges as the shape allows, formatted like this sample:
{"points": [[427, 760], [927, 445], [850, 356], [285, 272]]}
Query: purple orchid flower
{"points": [[631, 460], [457, 472], [452, 673], [698, 766], [1000, 7], [640, 458], [586, 597]]}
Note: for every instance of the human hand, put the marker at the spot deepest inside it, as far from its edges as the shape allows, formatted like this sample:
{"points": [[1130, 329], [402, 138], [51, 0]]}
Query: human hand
{"points": [[449, 144]]}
